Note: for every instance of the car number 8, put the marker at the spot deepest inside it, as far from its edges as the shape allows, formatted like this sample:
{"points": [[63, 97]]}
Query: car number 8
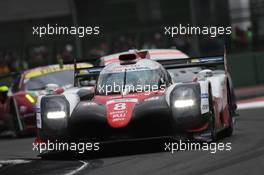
{"points": [[120, 106]]}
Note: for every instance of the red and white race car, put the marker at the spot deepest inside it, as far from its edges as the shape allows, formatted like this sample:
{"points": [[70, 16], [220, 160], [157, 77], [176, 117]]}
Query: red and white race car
{"points": [[17, 104], [138, 97]]}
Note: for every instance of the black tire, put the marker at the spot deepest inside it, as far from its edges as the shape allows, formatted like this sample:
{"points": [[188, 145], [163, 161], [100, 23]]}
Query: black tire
{"points": [[212, 117], [15, 119], [229, 131]]}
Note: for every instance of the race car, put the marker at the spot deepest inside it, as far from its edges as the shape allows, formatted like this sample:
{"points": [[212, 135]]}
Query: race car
{"points": [[136, 97], [18, 103]]}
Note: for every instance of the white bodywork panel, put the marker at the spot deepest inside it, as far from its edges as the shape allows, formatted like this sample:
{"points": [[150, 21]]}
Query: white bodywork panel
{"points": [[218, 87], [38, 114], [73, 99], [217, 80], [70, 95], [204, 96], [219, 91]]}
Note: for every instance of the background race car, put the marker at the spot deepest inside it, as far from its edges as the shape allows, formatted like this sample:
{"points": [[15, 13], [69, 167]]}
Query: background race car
{"points": [[154, 54], [18, 102], [136, 93]]}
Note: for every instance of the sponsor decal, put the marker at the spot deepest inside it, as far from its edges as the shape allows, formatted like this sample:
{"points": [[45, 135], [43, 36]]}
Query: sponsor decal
{"points": [[133, 100], [205, 107], [204, 95], [119, 112], [211, 59], [36, 109], [89, 104]]}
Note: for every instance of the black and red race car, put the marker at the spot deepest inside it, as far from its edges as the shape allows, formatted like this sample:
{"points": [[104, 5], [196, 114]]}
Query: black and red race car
{"points": [[136, 97], [18, 102]]}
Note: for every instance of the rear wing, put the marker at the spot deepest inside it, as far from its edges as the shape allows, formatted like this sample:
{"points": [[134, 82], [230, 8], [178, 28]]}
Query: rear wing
{"points": [[212, 61]]}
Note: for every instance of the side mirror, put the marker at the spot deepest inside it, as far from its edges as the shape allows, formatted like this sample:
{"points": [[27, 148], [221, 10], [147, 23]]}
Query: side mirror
{"points": [[92, 83], [86, 93], [50, 88], [86, 83], [161, 82]]}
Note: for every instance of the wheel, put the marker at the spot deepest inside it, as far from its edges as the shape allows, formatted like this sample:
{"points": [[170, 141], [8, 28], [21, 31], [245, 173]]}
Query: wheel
{"points": [[17, 124], [212, 110], [229, 131]]}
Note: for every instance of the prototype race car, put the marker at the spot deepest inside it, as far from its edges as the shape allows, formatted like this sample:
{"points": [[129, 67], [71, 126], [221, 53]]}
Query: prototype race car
{"points": [[17, 104], [137, 97]]}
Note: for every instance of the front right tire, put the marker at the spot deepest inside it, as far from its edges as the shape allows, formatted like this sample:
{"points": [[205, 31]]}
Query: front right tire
{"points": [[212, 112], [17, 124], [229, 131]]}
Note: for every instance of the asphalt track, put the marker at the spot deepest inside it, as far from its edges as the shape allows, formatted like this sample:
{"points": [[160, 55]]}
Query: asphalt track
{"points": [[246, 156]]}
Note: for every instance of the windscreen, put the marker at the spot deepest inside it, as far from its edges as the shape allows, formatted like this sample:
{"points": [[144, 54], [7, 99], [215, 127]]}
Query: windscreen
{"points": [[62, 78], [184, 74], [143, 80]]}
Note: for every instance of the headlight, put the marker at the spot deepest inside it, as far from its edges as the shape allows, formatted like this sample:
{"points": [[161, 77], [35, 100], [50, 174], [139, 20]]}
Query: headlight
{"points": [[183, 103], [56, 115], [30, 98], [55, 107], [186, 96]]}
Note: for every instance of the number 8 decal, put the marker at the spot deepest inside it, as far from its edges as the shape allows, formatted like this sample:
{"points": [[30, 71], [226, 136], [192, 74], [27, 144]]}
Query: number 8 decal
{"points": [[119, 106]]}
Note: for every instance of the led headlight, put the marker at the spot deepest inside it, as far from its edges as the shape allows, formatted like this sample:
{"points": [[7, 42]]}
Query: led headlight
{"points": [[55, 111], [183, 103], [55, 107], [184, 97], [56, 115]]}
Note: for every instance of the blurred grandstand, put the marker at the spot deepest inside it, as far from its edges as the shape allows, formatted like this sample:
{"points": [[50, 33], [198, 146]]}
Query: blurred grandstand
{"points": [[124, 24]]}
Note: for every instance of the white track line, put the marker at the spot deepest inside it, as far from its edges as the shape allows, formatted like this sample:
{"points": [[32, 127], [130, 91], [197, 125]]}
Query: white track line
{"points": [[84, 165], [251, 105], [13, 162]]}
